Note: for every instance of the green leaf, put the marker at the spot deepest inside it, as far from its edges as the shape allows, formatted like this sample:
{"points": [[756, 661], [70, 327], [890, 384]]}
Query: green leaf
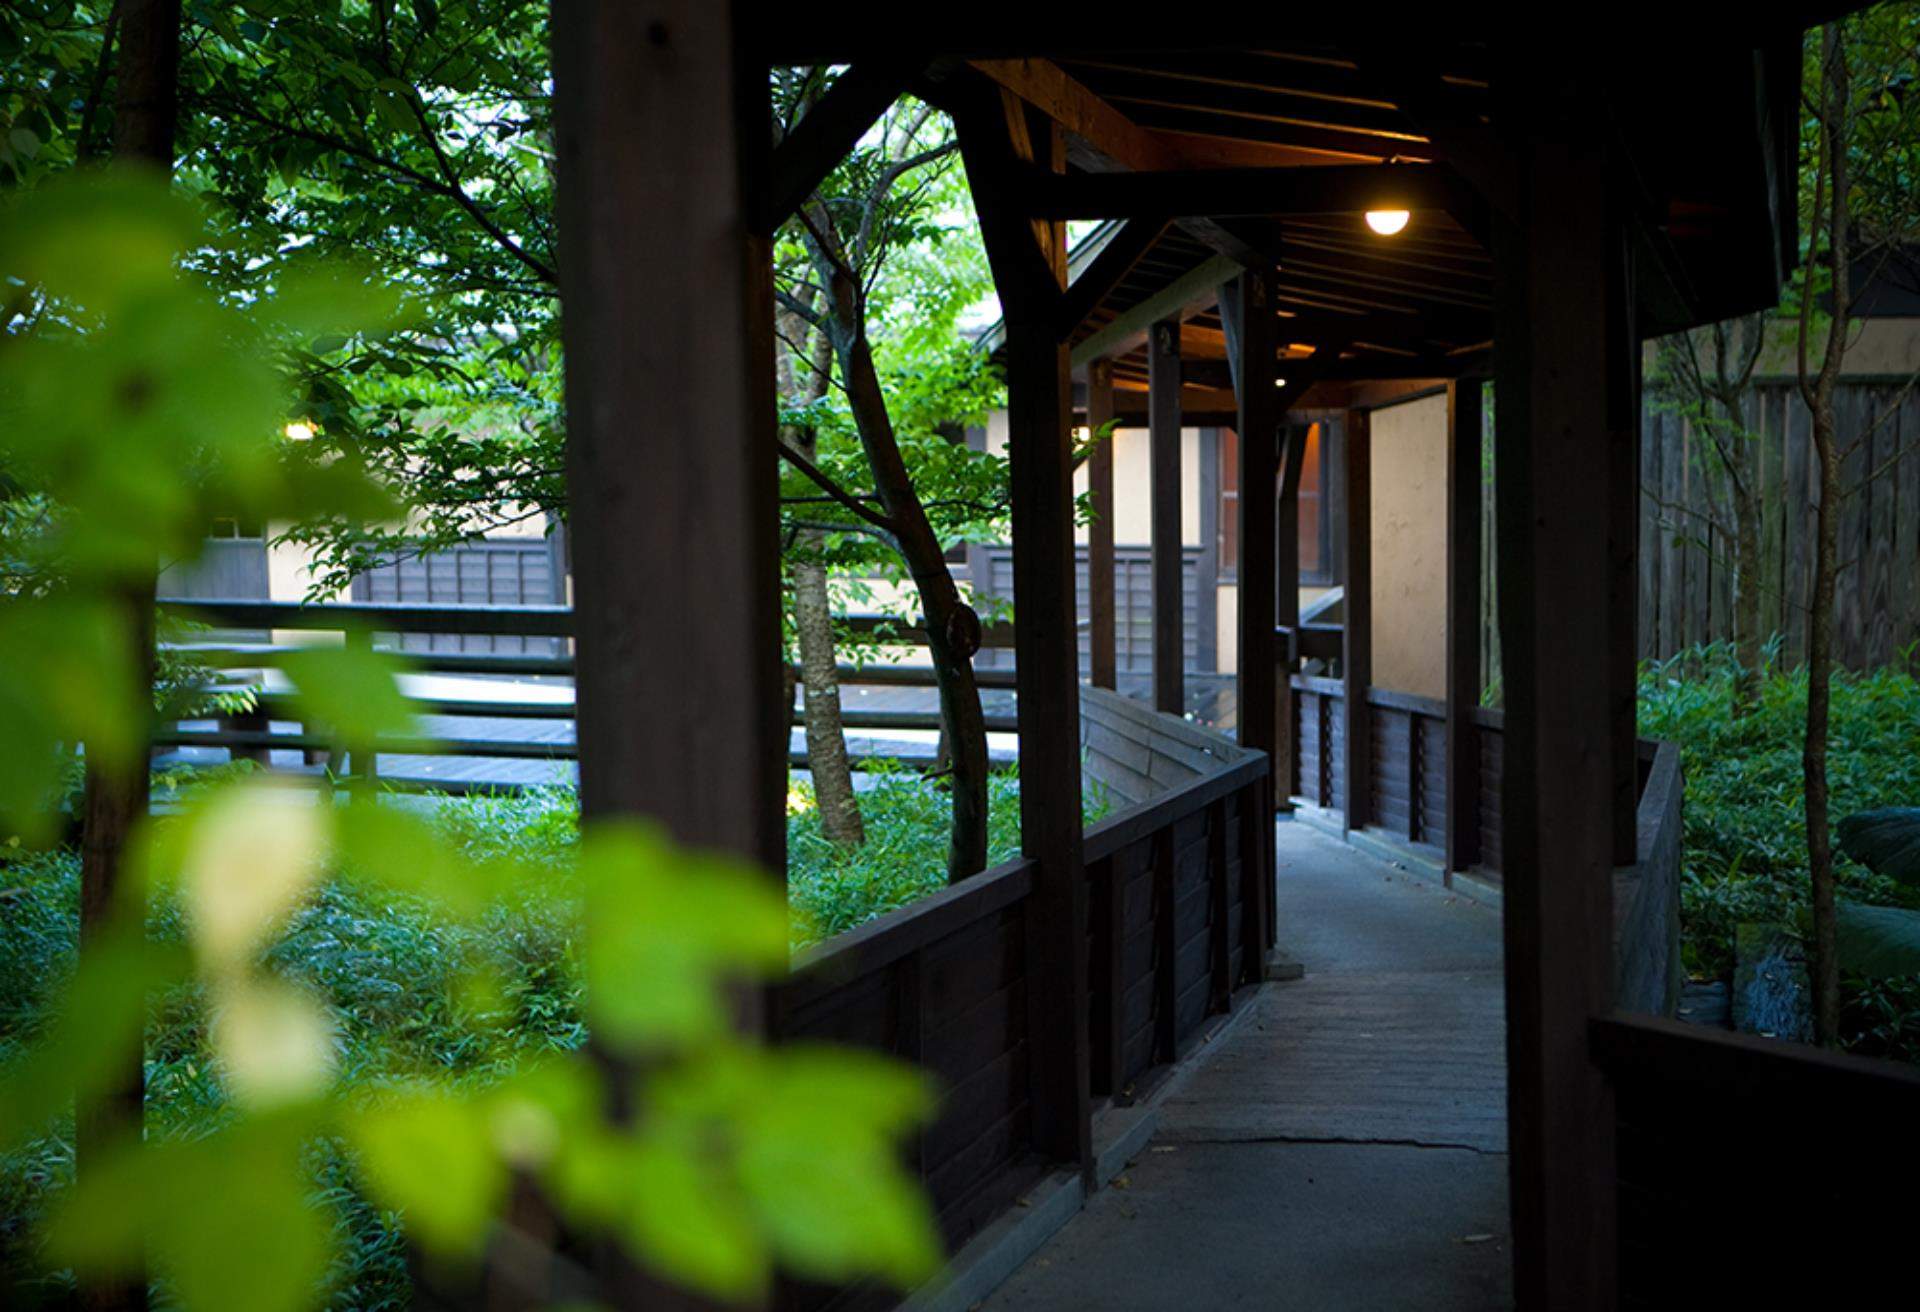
{"points": [[1886, 841], [665, 928], [351, 690], [226, 1217], [430, 1156], [1878, 941], [689, 1221]]}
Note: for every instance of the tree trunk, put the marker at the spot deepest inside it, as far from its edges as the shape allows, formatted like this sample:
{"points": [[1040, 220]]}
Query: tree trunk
{"points": [[953, 631], [115, 801], [1835, 139], [826, 733], [1746, 602]]}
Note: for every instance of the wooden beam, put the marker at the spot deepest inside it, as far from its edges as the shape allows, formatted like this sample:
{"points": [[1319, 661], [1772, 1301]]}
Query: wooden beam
{"points": [[827, 132], [1464, 480], [1100, 561], [1114, 262], [1247, 317], [1163, 432], [1356, 658], [1184, 296], [1553, 491], [1104, 139], [1335, 189], [1408, 76], [1043, 84]]}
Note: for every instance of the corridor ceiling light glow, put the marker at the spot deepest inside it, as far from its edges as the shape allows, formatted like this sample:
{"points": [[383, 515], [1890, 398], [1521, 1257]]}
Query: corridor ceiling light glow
{"points": [[1387, 222], [1279, 382]]}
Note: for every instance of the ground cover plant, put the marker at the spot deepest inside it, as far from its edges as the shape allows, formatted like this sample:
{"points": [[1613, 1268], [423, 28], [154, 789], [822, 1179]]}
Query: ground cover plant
{"points": [[398, 978], [1745, 839]]}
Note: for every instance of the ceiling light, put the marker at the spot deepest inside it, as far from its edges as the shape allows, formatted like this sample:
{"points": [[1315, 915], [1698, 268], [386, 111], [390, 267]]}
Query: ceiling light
{"points": [[1387, 222]]}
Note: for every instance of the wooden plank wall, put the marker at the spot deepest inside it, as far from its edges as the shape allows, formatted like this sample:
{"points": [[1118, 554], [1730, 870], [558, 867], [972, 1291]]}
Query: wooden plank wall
{"points": [[943, 983], [1686, 582]]}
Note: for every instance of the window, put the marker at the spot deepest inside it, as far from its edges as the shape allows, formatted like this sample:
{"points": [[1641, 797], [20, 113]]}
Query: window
{"points": [[1316, 525]]}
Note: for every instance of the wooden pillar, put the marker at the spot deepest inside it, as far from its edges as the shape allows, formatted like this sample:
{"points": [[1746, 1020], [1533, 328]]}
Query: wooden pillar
{"points": [[1286, 615], [670, 424], [997, 136], [1163, 433], [1248, 307], [1558, 266], [1100, 607], [1463, 623], [1356, 652], [1623, 556]]}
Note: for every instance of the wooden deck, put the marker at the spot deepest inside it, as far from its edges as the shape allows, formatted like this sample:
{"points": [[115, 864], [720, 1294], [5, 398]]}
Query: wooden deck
{"points": [[1343, 1145]]}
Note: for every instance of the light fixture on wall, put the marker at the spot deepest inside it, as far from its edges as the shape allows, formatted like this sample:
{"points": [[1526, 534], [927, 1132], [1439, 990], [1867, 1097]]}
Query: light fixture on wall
{"points": [[1388, 222]]}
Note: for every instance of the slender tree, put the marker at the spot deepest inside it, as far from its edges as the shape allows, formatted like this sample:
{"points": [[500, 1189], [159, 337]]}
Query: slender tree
{"points": [[115, 800]]}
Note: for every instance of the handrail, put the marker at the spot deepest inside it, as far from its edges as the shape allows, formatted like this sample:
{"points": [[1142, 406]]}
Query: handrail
{"points": [[1135, 822], [889, 937], [530, 621]]}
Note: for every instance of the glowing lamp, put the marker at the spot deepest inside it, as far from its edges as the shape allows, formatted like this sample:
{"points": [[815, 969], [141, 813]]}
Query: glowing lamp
{"points": [[299, 431], [1387, 222]]}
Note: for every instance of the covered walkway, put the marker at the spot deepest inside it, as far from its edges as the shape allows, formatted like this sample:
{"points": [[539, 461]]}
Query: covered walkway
{"points": [[1343, 1146]]}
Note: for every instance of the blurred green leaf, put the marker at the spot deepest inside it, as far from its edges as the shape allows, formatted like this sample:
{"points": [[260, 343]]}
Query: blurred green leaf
{"points": [[665, 928], [262, 1246], [430, 1156], [353, 691]]}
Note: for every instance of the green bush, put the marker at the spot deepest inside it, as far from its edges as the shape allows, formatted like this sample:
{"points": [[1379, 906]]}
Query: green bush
{"points": [[399, 979], [1746, 828]]}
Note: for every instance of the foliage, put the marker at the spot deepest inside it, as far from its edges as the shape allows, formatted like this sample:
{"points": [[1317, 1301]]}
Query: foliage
{"points": [[135, 401], [832, 889], [1882, 941], [1745, 842]]}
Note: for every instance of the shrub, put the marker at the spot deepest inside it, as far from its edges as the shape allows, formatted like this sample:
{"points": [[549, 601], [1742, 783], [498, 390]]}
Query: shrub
{"points": [[1746, 828]]}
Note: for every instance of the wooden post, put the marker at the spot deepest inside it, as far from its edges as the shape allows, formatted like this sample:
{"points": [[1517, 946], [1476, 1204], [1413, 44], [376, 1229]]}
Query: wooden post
{"points": [[1100, 607], [1356, 652], [1030, 277], [1623, 556], [1463, 623], [1286, 613], [1559, 359], [1247, 306], [1163, 431], [669, 316]]}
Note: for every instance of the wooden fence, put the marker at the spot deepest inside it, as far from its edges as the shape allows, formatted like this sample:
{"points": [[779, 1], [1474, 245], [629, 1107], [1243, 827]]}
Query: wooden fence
{"points": [[408, 629]]}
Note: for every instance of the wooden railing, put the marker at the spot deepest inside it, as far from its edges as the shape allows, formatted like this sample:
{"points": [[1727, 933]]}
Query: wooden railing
{"points": [[945, 981], [1752, 1172], [252, 734], [1405, 791]]}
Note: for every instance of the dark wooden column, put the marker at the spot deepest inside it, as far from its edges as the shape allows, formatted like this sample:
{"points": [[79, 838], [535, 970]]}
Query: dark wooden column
{"points": [[1286, 615], [997, 137], [671, 458], [1560, 362], [1463, 623], [1247, 306], [1356, 652], [1100, 610], [1623, 556], [1163, 432]]}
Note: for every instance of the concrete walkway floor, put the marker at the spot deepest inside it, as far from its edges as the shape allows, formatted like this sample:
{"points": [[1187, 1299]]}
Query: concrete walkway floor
{"points": [[1343, 1145]]}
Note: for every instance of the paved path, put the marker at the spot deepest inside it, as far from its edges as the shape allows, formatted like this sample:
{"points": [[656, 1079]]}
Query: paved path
{"points": [[1343, 1147]]}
